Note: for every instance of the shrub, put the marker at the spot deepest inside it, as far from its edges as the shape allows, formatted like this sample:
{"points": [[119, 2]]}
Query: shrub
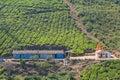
{"points": [[2, 70], [34, 77], [43, 65], [22, 63]]}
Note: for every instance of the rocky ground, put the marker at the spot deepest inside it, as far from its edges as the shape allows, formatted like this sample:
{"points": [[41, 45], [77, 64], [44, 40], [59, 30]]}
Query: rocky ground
{"points": [[75, 66]]}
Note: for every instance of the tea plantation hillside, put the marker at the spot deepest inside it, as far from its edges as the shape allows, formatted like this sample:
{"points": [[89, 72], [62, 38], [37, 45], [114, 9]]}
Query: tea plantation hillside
{"points": [[102, 19], [108, 70], [39, 22]]}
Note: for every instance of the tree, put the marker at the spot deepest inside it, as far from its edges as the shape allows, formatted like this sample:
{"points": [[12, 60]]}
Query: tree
{"points": [[22, 63]]}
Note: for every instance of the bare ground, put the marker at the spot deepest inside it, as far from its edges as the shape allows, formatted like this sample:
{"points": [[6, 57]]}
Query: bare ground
{"points": [[73, 14], [76, 66]]}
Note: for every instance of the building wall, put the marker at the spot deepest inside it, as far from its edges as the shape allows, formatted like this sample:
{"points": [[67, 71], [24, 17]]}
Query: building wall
{"points": [[46, 56], [41, 56], [16, 56], [59, 56], [1, 59], [27, 56]]}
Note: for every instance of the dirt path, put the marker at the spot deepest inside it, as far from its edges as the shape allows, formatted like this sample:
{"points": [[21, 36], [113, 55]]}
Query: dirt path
{"points": [[93, 58], [73, 14]]}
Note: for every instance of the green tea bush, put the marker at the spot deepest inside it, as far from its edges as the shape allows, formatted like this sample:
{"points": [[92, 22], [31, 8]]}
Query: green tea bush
{"points": [[102, 71]]}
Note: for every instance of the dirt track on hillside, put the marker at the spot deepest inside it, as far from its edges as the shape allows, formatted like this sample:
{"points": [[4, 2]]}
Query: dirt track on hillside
{"points": [[73, 14]]}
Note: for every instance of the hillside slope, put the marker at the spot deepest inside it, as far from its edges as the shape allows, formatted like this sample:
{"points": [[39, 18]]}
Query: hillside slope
{"points": [[73, 14], [106, 70], [101, 18], [40, 22]]}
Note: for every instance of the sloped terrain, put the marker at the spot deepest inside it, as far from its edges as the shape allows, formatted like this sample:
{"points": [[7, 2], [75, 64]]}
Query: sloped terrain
{"points": [[108, 70], [40, 22], [43, 70], [101, 18], [73, 14]]}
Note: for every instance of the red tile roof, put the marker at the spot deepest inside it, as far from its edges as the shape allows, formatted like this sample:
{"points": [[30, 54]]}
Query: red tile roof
{"points": [[99, 47]]}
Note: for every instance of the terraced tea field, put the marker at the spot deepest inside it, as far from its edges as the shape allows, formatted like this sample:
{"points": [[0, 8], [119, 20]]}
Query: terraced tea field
{"points": [[102, 19], [40, 22]]}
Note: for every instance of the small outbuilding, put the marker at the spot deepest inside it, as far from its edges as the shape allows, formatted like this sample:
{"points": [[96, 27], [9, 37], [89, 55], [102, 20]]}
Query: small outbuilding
{"points": [[41, 54], [100, 53]]}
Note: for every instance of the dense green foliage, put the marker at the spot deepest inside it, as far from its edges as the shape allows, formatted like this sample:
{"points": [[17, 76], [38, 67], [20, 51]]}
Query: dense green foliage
{"points": [[39, 22], [108, 70], [102, 19], [56, 76]]}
